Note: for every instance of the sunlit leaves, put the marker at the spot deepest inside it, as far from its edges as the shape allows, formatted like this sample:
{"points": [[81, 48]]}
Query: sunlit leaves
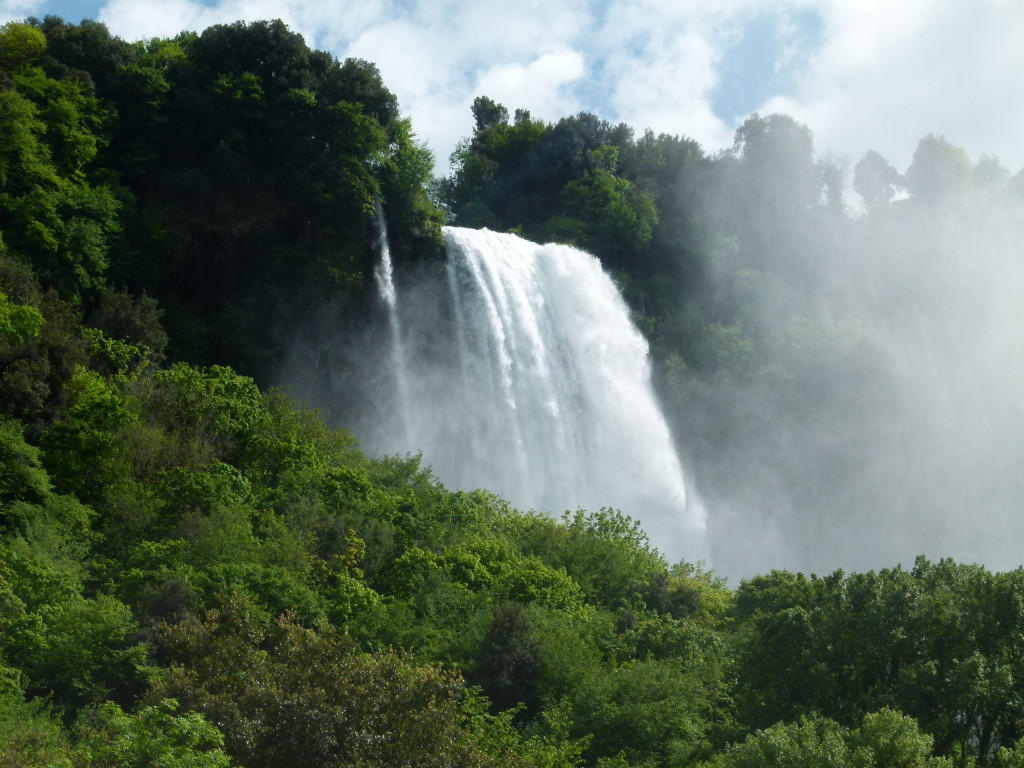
{"points": [[49, 211], [21, 476], [618, 217], [885, 739], [108, 737], [20, 45]]}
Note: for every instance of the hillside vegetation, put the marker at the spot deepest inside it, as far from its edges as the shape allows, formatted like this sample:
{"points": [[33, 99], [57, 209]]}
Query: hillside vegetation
{"points": [[196, 570]]}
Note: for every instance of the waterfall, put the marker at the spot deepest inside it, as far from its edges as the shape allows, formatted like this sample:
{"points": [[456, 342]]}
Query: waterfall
{"points": [[384, 277], [540, 391]]}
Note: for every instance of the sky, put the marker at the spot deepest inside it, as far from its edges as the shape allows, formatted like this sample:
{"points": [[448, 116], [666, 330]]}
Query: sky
{"points": [[862, 74]]}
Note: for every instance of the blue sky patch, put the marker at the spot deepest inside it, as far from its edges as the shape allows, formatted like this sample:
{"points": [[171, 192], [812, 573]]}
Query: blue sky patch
{"points": [[756, 66], [72, 11]]}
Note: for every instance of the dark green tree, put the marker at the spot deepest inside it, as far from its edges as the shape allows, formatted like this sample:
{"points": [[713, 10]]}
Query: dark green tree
{"points": [[939, 170], [875, 180]]}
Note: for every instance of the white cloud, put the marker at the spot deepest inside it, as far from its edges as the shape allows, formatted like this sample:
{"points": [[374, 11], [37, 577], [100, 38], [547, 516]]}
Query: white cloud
{"points": [[889, 73], [884, 74], [420, 69], [661, 75], [537, 85], [441, 55], [401, 51], [137, 19], [321, 23], [493, 31], [14, 10]]}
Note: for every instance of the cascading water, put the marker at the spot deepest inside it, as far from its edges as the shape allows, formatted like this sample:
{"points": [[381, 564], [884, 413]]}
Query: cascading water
{"points": [[541, 392], [384, 277]]}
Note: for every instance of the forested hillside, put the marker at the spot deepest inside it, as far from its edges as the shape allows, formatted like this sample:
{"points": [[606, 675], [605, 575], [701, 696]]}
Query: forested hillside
{"points": [[196, 570]]}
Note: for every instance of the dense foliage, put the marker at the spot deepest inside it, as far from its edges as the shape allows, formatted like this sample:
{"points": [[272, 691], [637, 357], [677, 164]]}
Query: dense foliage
{"points": [[231, 175], [195, 571]]}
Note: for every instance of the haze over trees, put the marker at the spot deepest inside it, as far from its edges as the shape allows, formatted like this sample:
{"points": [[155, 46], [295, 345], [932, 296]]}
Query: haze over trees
{"points": [[840, 380], [196, 570]]}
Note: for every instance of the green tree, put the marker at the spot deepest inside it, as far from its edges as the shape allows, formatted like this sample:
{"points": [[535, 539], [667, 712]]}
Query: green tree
{"points": [[875, 180], [50, 213], [133, 320], [939, 170], [108, 737], [29, 735], [19, 323], [311, 698], [606, 215], [488, 114], [22, 478], [777, 163], [936, 643], [509, 663], [81, 451], [650, 710], [20, 45], [885, 739]]}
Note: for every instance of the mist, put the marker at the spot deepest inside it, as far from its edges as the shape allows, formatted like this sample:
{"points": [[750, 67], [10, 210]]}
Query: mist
{"points": [[840, 370], [879, 415]]}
